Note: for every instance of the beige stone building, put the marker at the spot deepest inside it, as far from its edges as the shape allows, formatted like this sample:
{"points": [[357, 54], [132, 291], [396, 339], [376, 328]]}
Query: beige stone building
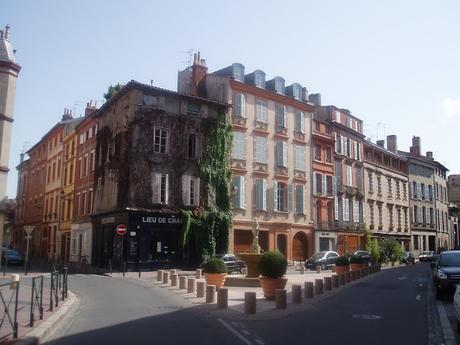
{"points": [[9, 71], [386, 192], [444, 230], [270, 162]]}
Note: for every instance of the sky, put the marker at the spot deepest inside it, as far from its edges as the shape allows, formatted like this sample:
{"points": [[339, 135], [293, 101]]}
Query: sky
{"points": [[394, 64]]}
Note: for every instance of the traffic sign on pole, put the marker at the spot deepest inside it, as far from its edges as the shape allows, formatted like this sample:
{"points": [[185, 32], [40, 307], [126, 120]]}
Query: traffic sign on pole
{"points": [[122, 229]]}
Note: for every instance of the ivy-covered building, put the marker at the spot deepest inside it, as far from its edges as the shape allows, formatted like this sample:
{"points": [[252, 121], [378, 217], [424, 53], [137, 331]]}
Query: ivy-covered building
{"points": [[150, 143]]}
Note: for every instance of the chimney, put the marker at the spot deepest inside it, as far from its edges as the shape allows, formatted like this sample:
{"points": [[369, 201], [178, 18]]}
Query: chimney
{"points": [[1, 33], [199, 72], [381, 143], [304, 94], [21, 157], [67, 115], [392, 143], [429, 154], [416, 146], [315, 98], [90, 107], [7, 31]]}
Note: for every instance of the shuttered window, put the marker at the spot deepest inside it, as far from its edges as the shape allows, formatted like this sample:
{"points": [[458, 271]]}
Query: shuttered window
{"points": [[346, 209], [299, 157], [356, 211], [190, 190], [261, 194], [238, 145], [281, 117], [299, 199], [160, 188], [240, 105], [281, 153], [261, 149], [300, 122], [261, 111], [336, 208], [238, 192]]}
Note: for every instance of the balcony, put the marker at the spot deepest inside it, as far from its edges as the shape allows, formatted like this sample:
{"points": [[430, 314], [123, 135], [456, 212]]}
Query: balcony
{"points": [[350, 191], [342, 225], [324, 226]]}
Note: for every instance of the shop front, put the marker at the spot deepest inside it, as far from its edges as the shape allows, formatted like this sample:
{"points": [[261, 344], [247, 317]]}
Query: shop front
{"points": [[348, 242], [325, 241]]}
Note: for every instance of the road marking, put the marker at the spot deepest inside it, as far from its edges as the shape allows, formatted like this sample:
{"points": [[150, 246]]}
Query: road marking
{"points": [[421, 285], [366, 316], [402, 278], [235, 332], [445, 325], [417, 297], [258, 341]]}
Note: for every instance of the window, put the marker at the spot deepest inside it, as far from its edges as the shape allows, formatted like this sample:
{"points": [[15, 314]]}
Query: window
{"points": [[261, 111], [279, 85], [349, 180], [280, 196], [337, 116], [193, 108], [299, 199], [422, 190], [328, 155], [93, 160], [281, 153], [300, 122], [160, 141], [318, 152], [317, 183], [192, 146], [379, 185], [281, 116], [261, 194], [398, 190], [261, 150], [371, 213], [160, 188], [240, 106], [90, 202], [299, 157], [238, 192], [259, 79], [370, 182], [338, 143], [390, 190], [238, 72], [346, 209], [190, 190], [356, 211], [297, 91], [329, 185], [85, 164], [380, 215], [415, 215], [238, 145]]}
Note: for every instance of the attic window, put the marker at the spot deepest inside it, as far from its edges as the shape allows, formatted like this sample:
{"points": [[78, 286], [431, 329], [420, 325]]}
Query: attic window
{"points": [[193, 108]]}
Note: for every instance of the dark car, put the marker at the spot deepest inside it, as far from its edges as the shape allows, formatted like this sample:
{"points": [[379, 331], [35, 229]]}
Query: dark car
{"points": [[446, 272], [323, 259], [365, 255], [11, 255], [232, 262], [408, 258], [427, 256]]}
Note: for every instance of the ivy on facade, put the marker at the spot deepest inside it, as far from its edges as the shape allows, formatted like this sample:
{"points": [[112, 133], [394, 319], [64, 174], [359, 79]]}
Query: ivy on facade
{"points": [[209, 228]]}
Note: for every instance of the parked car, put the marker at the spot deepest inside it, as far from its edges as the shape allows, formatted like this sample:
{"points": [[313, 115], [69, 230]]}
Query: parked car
{"points": [[12, 255], [232, 262], [408, 258], [426, 256], [324, 259], [365, 255], [457, 307], [446, 272]]}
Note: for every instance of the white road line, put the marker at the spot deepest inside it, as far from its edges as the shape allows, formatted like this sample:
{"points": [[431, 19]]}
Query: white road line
{"points": [[417, 297], [421, 285], [235, 332], [245, 331], [445, 325], [258, 341]]}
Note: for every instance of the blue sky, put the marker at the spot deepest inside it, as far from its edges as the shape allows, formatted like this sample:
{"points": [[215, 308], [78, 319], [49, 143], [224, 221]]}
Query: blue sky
{"points": [[394, 64]]}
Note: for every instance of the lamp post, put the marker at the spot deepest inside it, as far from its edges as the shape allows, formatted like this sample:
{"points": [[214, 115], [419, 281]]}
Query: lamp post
{"points": [[28, 229]]}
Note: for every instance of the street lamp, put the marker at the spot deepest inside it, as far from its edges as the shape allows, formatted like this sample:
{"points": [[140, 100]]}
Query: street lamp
{"points": [[28, 229]]}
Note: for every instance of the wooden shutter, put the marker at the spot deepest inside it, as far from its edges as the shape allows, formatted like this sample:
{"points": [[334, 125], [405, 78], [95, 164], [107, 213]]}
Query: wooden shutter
{"points": [[290, 197], [314, 184], [264, 194], [275, 196], [324, 186], [285, 154], [336, 208]]}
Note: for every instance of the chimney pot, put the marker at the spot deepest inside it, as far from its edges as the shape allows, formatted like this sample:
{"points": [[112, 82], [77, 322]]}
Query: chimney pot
{"points": [[381, 143], [429, 154], [7, 31], [392, 143]]}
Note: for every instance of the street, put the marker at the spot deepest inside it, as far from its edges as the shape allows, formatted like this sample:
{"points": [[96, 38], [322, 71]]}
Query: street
{"points": [[388, 308]]}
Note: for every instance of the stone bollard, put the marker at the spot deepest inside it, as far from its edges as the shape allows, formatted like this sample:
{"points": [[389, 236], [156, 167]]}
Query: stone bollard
{"points": [[14, 279], [296, 293], [341, 279], [200, 289], [191, 285], [222, 298], [165, 277], [302, 269], [318, 269], [210, 293], [173, 271], [335, 281], [319, 286], [308, 290], [244, 271], [327, 283], [173, 279], [160, 275], [333, 269], [250, 303], [182, 282], [347, 277], [353, 275], [280, 298], [198, 273]]}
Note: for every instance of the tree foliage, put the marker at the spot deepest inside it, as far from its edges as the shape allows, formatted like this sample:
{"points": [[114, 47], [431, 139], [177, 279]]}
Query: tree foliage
{"points": [[112, 90], [390, 250]]}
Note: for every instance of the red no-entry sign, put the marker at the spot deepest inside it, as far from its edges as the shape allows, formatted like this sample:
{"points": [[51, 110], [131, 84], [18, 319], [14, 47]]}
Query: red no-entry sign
{"points": [[121, 229]]}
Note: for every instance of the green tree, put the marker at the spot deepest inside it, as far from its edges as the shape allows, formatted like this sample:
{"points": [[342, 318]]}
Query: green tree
{"points": [[390, 250], [112, 90], [372, 246]]}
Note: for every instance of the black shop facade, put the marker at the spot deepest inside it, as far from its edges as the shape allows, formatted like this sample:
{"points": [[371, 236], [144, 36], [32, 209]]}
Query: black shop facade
{"points": [[152, 240]]}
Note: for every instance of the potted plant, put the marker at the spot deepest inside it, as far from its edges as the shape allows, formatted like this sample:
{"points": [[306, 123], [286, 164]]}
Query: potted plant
{"points": [[272, 268], [342, 265], [215, 272], [356, 263]]}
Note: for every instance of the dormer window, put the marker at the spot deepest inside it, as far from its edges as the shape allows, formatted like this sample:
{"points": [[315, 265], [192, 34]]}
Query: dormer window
{"points": [[279, 85], [238, 72], [297, 91], [259, 79]]}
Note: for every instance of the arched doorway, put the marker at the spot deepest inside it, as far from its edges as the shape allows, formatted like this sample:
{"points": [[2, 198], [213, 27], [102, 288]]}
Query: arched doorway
{"points": [[281, 244], [300, 247]]}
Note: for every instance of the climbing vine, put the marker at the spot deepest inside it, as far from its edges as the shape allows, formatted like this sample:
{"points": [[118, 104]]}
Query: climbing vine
{"points": [[210, 227]]}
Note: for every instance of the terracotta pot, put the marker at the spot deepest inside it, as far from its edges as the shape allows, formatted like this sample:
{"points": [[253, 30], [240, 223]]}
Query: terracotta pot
{"points": [[341, 269], [252, 263], [356, 267], [217, 279], [269, 285]]}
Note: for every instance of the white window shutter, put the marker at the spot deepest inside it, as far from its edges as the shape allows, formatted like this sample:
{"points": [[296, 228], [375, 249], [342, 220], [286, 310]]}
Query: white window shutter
{"points": [[324, 183], [185, 190], [156, 186], [166, 189], [355, 146], [243, 106], [290, 196], [285, 154], [284, 117], [279, 153], [358, 157], [314, 184], [356, 211], [334, 185], [428, 215], [275, 196], [264, 194], [302, 123], [336, 208]]}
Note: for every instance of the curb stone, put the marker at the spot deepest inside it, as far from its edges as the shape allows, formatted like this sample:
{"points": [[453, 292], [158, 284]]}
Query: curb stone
{"points": [[435, 336], [38, 334]]}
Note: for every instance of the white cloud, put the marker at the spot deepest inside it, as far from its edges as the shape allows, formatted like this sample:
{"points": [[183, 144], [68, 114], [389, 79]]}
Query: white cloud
{"points": [[451, 107]]}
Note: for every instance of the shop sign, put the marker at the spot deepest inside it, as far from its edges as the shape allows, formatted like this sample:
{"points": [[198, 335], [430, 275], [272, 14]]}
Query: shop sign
{"points": [[168, 219]]}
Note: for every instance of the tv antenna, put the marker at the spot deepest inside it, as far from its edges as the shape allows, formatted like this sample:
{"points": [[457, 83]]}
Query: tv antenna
{"points": [[189, 53]]}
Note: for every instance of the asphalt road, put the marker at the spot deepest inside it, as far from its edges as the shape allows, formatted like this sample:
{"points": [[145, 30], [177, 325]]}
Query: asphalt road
{"points": [[128, 311], [388, 308]]}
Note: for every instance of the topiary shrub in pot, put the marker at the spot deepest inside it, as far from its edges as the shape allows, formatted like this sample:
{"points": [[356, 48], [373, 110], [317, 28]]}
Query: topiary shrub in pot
{"points": [[272, 268], [215, 272], [342, 265], [356, 263]]}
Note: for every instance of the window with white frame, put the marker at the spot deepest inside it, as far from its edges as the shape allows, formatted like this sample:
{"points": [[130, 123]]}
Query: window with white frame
{"points": [[300, 122], [356, 211], [346, 209], [261, 150], [238, 72], [240, 105], [297, 91], [261, 194], [259, 79], [190, 190], [281, 116], [238, 192], [261, 111], [281, 153], [349, 177], [160, 188], [160, 143], [238, 145], [280, 199], [299, 199], [299, 157]]}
